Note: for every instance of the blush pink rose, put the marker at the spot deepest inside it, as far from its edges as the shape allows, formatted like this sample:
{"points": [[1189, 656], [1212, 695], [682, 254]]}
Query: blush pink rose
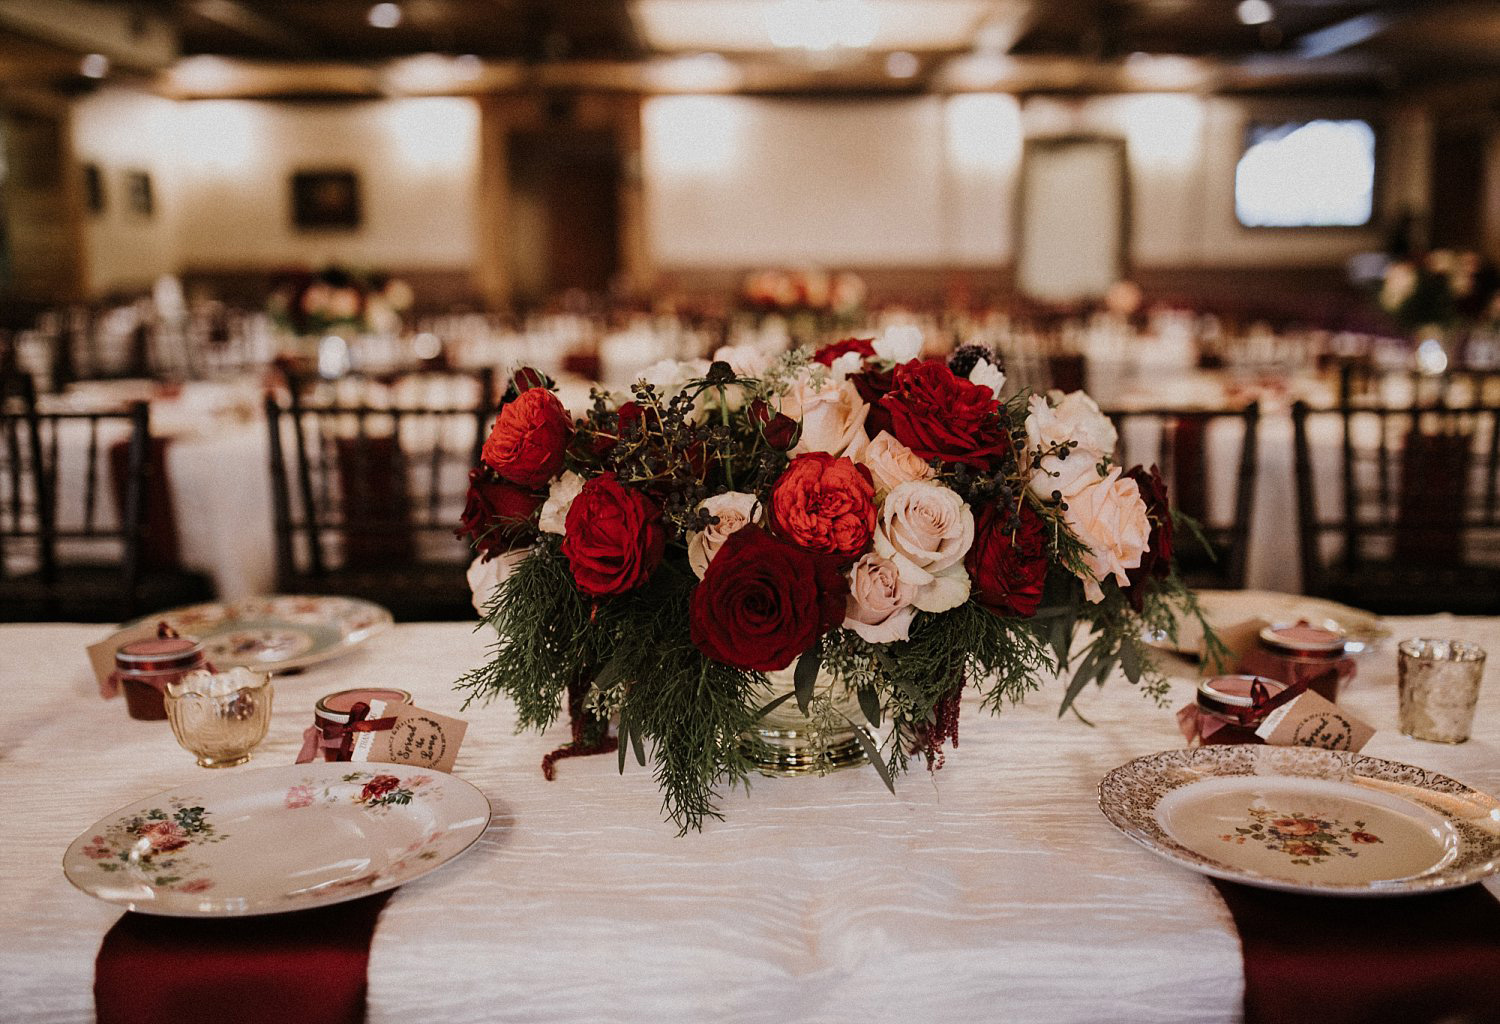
{"points": [[890, 462], [925, 529], [879, 607], [1109, 517], [831, 413], [733, 509]]}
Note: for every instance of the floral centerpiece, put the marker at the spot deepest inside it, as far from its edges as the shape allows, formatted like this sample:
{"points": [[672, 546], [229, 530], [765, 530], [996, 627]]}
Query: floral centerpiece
{"points": [[881, 529], [812, 300], [336, 298]]}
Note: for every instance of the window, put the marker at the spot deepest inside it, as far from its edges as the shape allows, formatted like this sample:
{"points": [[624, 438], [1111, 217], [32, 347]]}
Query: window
{"points": [[1306, 174]]}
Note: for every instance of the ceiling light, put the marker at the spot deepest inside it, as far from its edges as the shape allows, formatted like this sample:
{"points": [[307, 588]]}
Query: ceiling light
{"points": [[1254, 12], [703, 72], [384, 15], [902, 65], [820, 25], [94, 65]]}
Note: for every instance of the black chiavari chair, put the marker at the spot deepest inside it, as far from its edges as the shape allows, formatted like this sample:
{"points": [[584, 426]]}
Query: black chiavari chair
{"points": [[1178, 441], [367, 495]]}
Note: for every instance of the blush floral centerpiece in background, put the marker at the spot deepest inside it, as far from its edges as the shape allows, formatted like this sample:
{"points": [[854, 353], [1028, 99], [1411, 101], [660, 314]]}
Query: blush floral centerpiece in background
{"points": [[848, 537]]}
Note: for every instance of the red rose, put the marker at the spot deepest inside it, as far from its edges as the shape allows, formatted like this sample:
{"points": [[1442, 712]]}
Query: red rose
{"points": [[828, 353], [1157, 559], [763, 602], [496, 512], [872, 386], [1364, 837], [1008, 567], [938, 415], [379, 786], [825, 504], [527, 442], [614, 539], [779, 430]]}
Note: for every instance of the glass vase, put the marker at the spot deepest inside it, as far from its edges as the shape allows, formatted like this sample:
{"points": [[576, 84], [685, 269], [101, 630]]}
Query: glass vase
{"points": [[786, 742]]}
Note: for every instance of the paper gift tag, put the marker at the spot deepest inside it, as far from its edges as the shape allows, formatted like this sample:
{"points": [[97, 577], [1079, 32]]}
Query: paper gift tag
{"points": [[1310, 721], [419, 737]]}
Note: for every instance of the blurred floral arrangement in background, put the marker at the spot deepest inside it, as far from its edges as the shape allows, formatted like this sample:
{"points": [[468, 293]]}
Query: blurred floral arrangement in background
{"points": [[337, 298]]}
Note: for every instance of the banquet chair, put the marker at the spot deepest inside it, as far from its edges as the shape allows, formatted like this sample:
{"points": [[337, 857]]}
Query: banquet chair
{"points": [[1177, 441], [64, 554], [1402, 516], [367, 494]]}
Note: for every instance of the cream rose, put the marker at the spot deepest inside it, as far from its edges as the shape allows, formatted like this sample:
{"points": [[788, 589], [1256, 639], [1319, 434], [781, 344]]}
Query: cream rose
{"points": [[485, 577], [831, 412], [879, 607], [744, 360], [926, 529], [559, 499], [734, 509], [1075, 418], [1109, 517], [900, 343], [890, 462]]}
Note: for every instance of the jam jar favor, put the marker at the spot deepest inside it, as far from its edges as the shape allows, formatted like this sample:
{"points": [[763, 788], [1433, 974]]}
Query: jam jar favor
{"points": [[331, 716], [1226, 709], [143, 668], [1302, 652]]}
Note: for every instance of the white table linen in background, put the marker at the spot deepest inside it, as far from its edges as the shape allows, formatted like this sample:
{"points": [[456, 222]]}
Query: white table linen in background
{"points": [[994, 891]]}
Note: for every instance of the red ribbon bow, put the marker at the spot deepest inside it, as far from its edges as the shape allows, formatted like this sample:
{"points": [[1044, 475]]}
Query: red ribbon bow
{"points": [[340, 736]]}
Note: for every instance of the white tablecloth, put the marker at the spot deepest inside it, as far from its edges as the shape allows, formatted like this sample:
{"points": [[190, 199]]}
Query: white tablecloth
{"points": [[992, 891]]}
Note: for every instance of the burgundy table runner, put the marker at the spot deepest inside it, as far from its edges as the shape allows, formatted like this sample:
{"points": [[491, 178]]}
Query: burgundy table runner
{"points": [[306, 967], [1432, 959]]}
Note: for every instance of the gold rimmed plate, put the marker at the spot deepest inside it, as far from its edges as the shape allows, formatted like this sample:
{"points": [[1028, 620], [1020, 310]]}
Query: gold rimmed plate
{"points": [[1300, 819]]}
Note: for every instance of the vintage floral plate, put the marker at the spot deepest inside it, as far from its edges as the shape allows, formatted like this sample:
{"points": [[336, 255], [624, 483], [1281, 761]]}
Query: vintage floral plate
{"points": [[276, 839], [1227, 608], [1306, 820], [278, 633]]}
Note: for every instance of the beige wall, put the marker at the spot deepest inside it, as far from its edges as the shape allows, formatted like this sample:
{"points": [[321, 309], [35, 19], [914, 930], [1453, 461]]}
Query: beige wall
{"points": [[222, 170], [930, 180]]}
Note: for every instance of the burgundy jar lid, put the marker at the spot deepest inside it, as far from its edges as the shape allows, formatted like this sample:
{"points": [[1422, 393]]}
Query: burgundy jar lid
{"points": [[336, 706], [159, 654], [1228, 695], [1304, 640]]}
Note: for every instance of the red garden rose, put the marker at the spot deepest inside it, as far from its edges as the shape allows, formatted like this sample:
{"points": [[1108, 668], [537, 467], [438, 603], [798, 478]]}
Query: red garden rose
{"points": [[938, 415], [614, 539], [825, 504], [496, 512], [828, 353], [164, 836], [526, 444], [1157, 560], [763, 602], [1009, 568]]}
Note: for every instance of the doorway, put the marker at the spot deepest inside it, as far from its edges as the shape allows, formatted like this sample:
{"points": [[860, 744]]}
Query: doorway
{"points": [[1073, 221], [565, 212]]}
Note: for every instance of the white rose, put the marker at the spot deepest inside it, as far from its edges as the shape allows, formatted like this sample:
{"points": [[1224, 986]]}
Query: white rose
{"points": [[1074, 418], [1109, 517], [890, 462], [988, 375], [559, 499], [899, 344], [926, 529], [734, 509], [879, 607], [831, 413], [846, 365], [486, 576], [744, 360]]}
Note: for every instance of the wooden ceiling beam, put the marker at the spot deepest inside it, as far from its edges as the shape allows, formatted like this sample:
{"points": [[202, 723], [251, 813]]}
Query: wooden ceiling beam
{"points": [[253, 25]]}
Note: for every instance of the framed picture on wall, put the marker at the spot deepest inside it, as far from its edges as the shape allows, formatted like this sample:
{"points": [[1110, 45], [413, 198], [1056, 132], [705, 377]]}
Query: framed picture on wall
{"points": [[139, 196], [93, 188], [325, 199]]}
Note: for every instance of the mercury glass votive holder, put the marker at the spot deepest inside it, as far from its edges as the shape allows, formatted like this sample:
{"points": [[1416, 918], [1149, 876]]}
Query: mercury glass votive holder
{"points": [[1438, 682], [220, 716]]}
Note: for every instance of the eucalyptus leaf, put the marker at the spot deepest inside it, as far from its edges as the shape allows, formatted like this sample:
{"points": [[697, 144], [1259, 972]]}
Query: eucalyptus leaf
{"points": [[1081, 677], [1130, 661], [624, 739], [773, 705], [869, 703], [872, 752], [806, 676], [640, 748]]}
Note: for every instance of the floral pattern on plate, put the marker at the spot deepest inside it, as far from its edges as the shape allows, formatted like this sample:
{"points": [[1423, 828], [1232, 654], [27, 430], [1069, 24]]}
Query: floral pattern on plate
{"points": [[158, 843], [1304, 838], [379, 790]]}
